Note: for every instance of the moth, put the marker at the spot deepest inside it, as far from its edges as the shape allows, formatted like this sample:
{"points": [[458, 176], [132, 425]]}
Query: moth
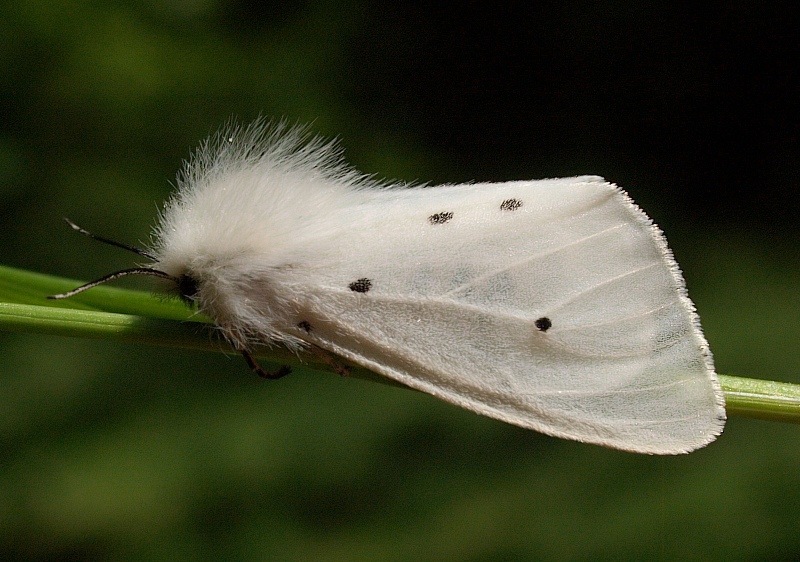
{"points": [[554, 305]]}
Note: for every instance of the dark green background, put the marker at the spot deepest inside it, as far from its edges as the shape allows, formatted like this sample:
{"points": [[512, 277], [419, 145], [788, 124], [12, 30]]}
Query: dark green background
{"points": [[110, 451]]}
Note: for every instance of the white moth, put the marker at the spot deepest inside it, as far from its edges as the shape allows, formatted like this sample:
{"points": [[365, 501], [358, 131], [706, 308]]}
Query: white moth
{"points": [[554, 305]]}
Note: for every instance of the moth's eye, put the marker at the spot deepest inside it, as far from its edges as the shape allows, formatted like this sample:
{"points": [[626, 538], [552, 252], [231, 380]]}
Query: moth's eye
{"points": [[187, 288]]}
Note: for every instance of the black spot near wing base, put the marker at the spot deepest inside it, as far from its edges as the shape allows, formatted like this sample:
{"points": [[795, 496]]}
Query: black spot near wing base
{"points": [[543, 324]]}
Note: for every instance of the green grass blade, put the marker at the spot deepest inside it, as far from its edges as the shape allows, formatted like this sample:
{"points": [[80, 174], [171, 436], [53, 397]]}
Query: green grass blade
{"points": [[139, 317], [127, 316], [761, 399]]}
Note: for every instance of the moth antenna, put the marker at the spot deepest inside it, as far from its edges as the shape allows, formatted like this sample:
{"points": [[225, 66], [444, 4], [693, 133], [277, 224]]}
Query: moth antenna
{"points": [[108, 241], [111, 277]]}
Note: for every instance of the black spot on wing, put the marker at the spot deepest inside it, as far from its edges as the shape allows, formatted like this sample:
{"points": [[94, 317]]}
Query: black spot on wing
{"points": [[440, 218], [510, 205], [543, 324], [360, 285], [305, 325]]}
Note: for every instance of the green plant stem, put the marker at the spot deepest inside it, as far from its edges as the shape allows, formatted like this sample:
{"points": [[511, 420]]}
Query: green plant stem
{"points": [[761, 399], [139, 317]]}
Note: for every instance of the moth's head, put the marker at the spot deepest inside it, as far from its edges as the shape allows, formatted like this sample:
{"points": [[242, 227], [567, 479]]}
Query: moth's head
{"points": [[200, 275]]}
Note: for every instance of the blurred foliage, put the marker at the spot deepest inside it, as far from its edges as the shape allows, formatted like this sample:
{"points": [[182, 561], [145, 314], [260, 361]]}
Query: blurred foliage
{"points": [[114, 451]]}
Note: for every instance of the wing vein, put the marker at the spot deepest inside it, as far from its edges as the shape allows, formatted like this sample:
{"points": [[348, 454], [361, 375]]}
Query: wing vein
{"points": [[526, 260], [623, 319], [616, 390], [605, 283]]}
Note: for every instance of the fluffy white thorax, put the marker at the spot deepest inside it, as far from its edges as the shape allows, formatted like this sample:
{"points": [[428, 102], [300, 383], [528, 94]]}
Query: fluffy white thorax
{"points": [[248, 206]]}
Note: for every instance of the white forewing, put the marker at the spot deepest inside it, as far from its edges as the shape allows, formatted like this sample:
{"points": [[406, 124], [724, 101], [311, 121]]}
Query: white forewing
{"points": [[454, 300], [554, 305]]}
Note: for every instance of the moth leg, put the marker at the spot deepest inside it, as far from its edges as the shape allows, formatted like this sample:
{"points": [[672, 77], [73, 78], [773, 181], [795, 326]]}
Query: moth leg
{"points": [[260, 371], [331, 360]]}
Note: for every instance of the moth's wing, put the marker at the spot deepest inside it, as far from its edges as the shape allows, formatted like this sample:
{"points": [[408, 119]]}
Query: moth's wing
{"points": [[554, 305]]}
